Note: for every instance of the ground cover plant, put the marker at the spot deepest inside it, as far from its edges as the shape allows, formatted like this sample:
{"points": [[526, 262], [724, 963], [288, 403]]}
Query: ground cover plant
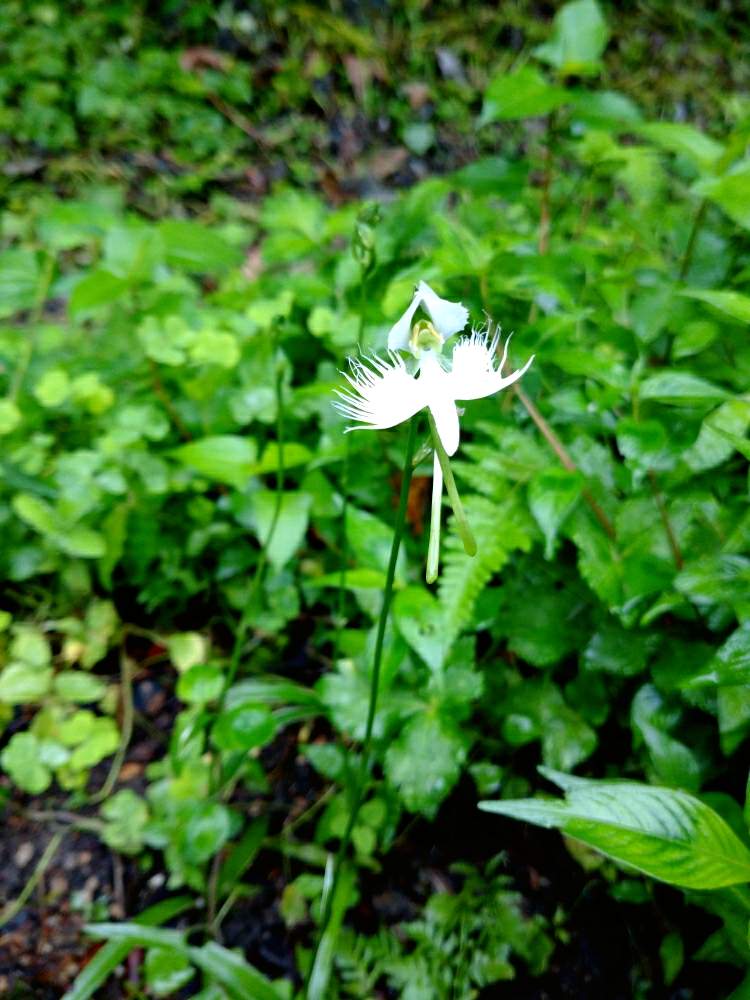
{"points": [[267, 729]]}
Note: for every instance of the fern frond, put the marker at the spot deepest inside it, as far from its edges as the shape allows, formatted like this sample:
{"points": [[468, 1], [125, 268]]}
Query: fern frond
{"points": [[499, 529]]}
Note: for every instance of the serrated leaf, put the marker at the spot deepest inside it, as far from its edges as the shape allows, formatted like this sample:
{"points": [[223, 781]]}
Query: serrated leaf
{"points": [[553, 494], [665, 833]]}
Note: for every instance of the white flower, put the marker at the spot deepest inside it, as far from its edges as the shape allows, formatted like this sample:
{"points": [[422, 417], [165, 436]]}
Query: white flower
{"points": [[382, 393], [447, 317]]}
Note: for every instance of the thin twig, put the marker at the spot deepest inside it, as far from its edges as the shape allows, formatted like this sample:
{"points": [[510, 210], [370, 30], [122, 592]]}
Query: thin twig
{"points": [[126, 729], [15, 906], [559, 449], [664, 514]]}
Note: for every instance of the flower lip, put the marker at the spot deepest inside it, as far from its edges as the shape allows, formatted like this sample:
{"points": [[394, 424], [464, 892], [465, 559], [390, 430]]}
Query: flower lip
{"points": [[447, 317]]}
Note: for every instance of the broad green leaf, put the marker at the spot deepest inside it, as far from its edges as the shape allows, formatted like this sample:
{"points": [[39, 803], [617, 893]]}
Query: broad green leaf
{"points": [[226, 458], [664, 833], [728, 302], [731, 662], [523, 94], [424, 762], [98, 288], [553, 494], [579, 38], [680, 389], [196, 248]]}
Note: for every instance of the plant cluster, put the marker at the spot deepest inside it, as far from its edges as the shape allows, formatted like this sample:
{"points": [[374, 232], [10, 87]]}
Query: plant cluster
{"points": [[177, 495]]}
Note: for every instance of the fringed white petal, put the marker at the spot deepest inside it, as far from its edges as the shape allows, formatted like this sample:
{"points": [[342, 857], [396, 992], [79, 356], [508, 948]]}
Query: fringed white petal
{"points": [[382, 394], [473, 373]]}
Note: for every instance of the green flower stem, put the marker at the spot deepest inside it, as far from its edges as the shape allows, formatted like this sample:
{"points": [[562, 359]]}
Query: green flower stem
{"points": [[317, 974], [462, 525], [433, 550]]}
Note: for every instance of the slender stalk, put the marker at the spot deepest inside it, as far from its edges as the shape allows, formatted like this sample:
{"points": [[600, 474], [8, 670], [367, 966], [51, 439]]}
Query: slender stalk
{"points": [[433, 550], [687, 258], [16, 905], [462, 524], [559, 449], [364, 765], [126, 695], [664, 514], [247, 612]]}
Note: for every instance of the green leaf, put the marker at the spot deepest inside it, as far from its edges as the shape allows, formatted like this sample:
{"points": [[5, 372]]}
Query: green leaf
{"points": [[664, 833], [289, 528], [77, 686], [523, 94], [226, 458], [21, 760], [196, 248], [424, 762], [419, 619], [718, 433], [10, 416], [167, 970], [616, 650], [536, 710], [674, 763], [105, 961], [201, 684], [730, 191], [579, 38], [729, 303], [19, 281], [205, 832], [187, 649], [238, 977], [244, 728], [731, 662], [686, 140], [20, 683], [125, 815], [98, 288], [553, 493], [680, 389]]}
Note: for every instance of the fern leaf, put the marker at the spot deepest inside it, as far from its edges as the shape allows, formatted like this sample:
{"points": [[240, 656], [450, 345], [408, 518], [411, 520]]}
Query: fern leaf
{"points": [[499, 529]]}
